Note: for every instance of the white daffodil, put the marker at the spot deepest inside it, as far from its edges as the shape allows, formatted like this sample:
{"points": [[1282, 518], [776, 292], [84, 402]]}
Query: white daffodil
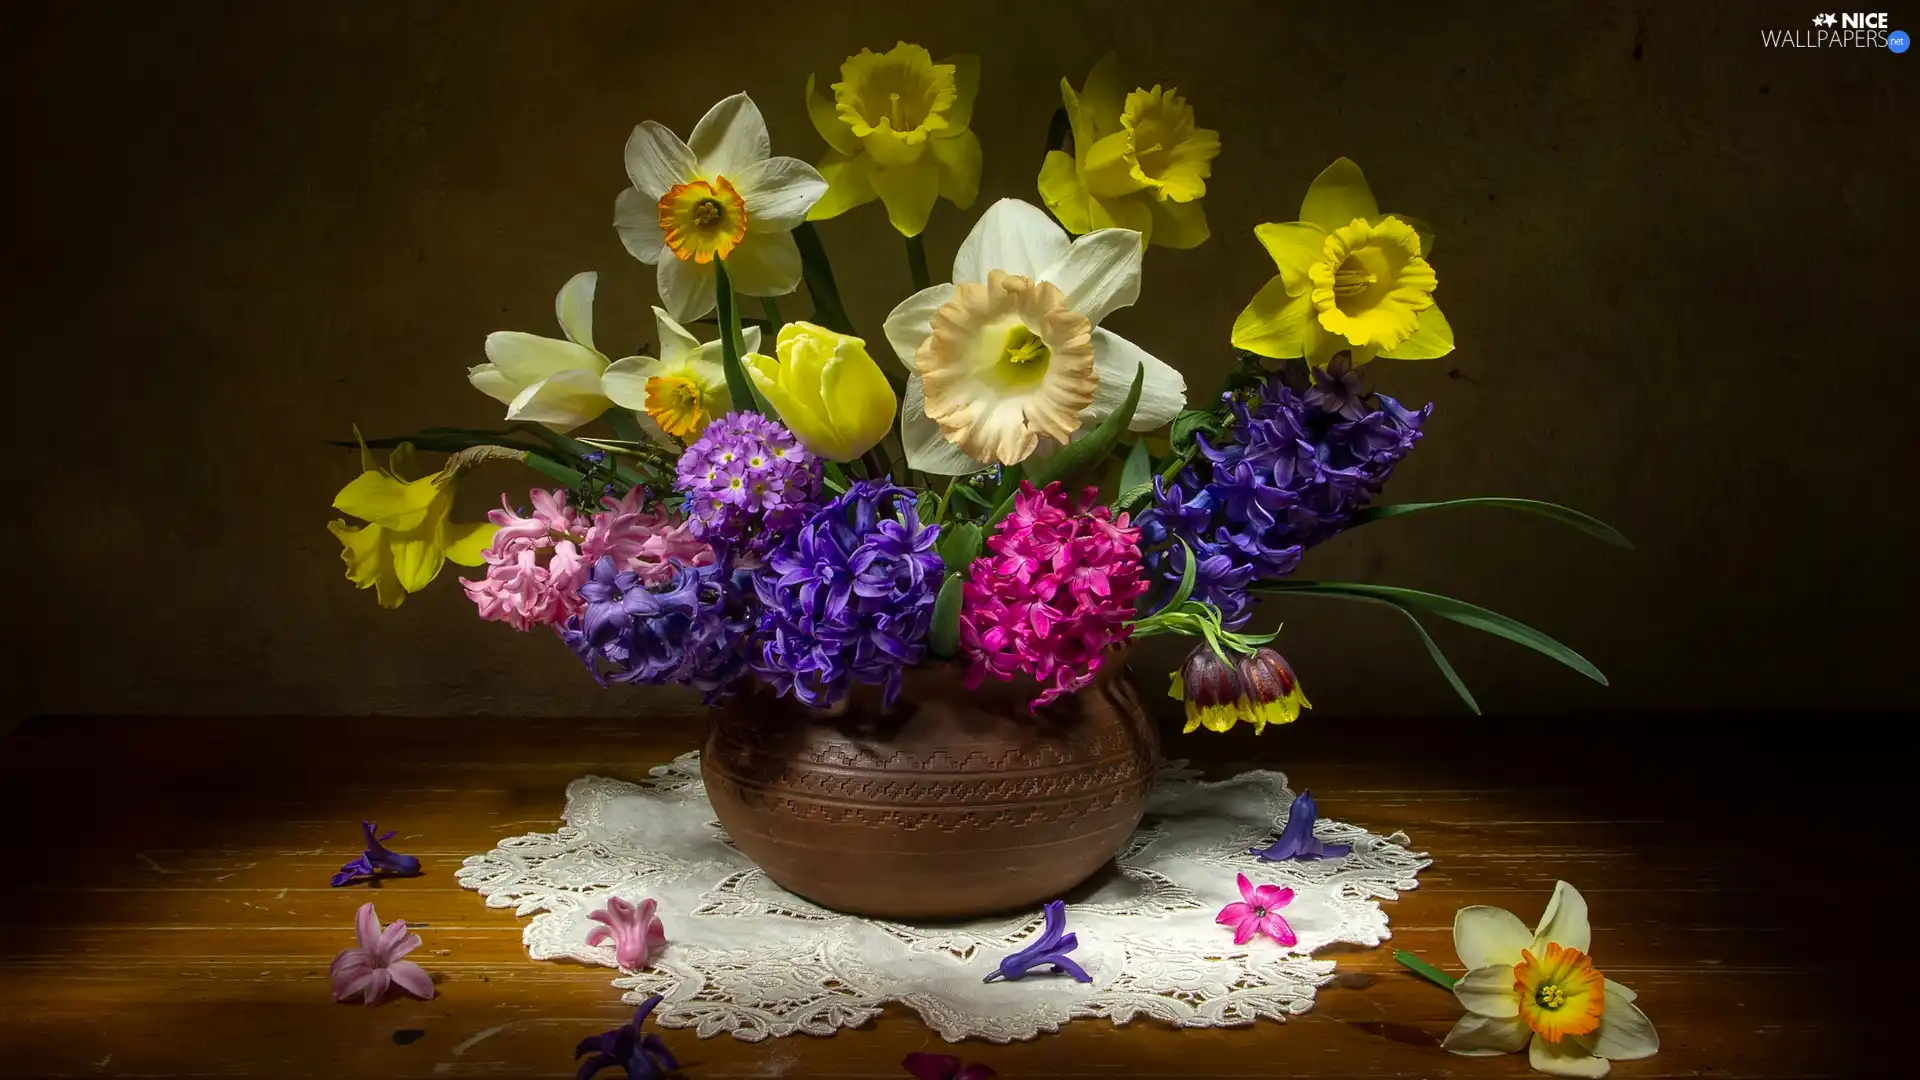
{"points": [[544, 380], [1539, 990], [717, 196], [1009, 358], [678, 393]]}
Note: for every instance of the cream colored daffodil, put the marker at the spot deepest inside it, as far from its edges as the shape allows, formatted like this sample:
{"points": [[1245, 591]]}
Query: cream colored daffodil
{"points": [[547, 380], [719, 195], [898, 126], [407, 538], [1009, 358], [827, 390], [1350, 279], [1538, 989], [677, 394], [1139, 162]]}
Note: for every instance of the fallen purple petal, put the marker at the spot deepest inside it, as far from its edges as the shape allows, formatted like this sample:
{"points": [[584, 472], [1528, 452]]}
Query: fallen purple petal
{"points": [[376, 861], [1296, 838], [644, 1056], [944, 1067], [1050, 948]]}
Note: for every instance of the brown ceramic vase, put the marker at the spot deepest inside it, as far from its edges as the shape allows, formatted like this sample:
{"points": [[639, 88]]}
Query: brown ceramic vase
{"points": [[953, 803]]}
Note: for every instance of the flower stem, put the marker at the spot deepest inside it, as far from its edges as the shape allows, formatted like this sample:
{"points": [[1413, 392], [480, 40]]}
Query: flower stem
{"points": [[818, 274], [774, 322], [917, 263], [1425, 970], [875, 461], [727, 311]]}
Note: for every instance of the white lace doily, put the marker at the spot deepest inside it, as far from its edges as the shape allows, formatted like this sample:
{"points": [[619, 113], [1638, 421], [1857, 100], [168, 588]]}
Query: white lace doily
{"points": [[748, 958]]}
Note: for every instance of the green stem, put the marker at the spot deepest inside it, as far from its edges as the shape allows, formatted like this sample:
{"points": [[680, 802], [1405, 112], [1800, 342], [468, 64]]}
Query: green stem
{"points": [[818, 273], [774, 322], [1180, 461], [739, 387], [1425, 970], [876, 463], [917, 262]]}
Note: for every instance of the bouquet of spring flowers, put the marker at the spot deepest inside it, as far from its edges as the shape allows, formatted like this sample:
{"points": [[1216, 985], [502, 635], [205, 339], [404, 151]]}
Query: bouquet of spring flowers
{"points": [[994, 478]]}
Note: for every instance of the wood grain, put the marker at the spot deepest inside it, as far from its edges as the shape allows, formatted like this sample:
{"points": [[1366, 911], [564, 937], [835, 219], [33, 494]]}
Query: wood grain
{"points": [[168, 912]]}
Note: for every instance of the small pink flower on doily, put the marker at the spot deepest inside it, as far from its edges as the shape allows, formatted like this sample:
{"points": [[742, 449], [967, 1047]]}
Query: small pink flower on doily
{"points": [[1258, 912], [634, 929]]}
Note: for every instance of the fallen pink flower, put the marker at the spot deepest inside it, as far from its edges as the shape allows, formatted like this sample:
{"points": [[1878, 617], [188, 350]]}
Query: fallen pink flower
{"points": [[375, 967], [635, 930], [1259, 913]]}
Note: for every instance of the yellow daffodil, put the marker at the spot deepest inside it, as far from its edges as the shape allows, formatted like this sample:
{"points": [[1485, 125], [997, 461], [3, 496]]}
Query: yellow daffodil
{"points": [[677, 394], [1012, 353], [897, 124], [1139, 162], [1539, 990], [1350, 279], [717, 196], [827, 390], [546, 380], [407, 537]]}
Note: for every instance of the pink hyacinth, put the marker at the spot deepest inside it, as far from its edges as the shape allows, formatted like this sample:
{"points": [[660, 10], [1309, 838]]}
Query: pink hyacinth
{"points": [[1053, 592], [375, 966], [537, 562], [1258, 912], [635, 930]]}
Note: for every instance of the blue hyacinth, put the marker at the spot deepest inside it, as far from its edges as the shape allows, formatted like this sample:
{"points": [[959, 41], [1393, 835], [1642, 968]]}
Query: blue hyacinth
{"points": [[687, 631]]}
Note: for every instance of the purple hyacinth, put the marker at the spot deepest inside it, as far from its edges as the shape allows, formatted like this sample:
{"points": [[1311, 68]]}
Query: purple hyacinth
{"points": [[847, 598], [376, 861], [1051, 947], [688, 630], [1288, 472], [748, 481], [1296, 840], [630, 1047]]}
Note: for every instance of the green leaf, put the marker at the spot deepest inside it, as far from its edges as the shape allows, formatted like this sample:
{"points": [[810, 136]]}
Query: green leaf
{"points": [[1132, 497], [1425, 970], [943, 637], [1187, 570], [553, 469], [624, 426], [959, 545], [1586, 523], [1190, 421], [1447, 608], [1440, 661], [746, 396], [836, 477], [1136, 473]]}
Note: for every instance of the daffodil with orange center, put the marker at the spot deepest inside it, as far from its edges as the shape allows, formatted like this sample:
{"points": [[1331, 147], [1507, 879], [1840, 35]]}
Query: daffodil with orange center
{"points": [[676, 394], [1350, 279]]}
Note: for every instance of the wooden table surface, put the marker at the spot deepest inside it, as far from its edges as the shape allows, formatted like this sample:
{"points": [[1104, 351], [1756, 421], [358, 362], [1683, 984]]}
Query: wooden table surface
{"points": [[167, 913]]}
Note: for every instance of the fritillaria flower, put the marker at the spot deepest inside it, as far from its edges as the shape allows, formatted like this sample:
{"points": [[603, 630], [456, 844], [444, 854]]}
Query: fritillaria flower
{"points": [[376, 965], [376, 861], [1296, 837], [644, 1056], [944, 1067], [1051, 947], [634, 929], [1258, 912]]}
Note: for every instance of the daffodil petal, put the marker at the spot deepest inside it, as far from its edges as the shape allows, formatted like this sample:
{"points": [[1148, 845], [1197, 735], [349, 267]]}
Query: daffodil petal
{"points": [[778, 191], [1488, 991], [464, 543], [1293, 246], [573, 307], [1132, 214], [826, 121], [380, 498], [927, 449], [1065, 193], [749, 342], [525, 359], [1274, 323], [1108, 166], [657, 160], [487, 379], [1100, 273], [847, 186], [1104, 95], [1163, 390], [1620, 991], [1565, 1058], [958, 159], [402, 462], [364, 550], [1177, 225], [1432, 338], [1625, 1033], [966, 86], [417, 557], [1013, 236], [686, 287], [912, 321], [1564, 922], [562, 401], [767, 263], [909, 192], [1485, 935], [1487, 1036], [675, 340], [637, 219], [732, 136], [625, 381], [1420, 228], [1337, 196]]}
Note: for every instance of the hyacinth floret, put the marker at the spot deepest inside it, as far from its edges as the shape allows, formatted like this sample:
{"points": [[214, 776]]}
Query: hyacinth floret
{"points": [[689, 629], [748, 482], [847, 598]]}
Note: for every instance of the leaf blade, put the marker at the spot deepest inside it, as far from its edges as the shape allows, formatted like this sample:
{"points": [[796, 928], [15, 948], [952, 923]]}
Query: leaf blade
{"points": [[1565, 515]]}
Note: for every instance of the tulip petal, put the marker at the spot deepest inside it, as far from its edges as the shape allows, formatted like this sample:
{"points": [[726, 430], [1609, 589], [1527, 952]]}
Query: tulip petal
{"points": [[1486, 1036], [1625, 1033], [1337, 196], [487, 379], [847, 186], [1489, 935], [826, 121], [767, 263], [562, 401], [859, 402], [1100, 273], [1294, 246], [657, 160], [1163, 392], [573, 307], [525, 359], [1274, 324], [958, 159], [778, 191], [1013, 236], [1432, 337], [464, 543], [1488, 991], [1065, 193], [909, 192], [1564, 922], [1179, 225], [732, 136], [927, 449], [637, 219], [911, 322], [1565, 1058], [686, 287]]}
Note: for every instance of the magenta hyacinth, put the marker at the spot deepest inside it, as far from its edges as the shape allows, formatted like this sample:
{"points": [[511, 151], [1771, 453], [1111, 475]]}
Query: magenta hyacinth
{"points": [[634, 929], [1053, 592]]}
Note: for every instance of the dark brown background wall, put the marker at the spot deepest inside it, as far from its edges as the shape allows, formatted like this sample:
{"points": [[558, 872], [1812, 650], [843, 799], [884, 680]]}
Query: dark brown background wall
{"points": [[1680, 266]]}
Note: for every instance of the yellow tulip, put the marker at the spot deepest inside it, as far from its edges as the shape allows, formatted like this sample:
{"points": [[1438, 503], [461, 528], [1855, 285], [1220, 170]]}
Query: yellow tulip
{"points": [[827, 390], [897, 124], [1350, 279], [1139, 162], [408, 537]]}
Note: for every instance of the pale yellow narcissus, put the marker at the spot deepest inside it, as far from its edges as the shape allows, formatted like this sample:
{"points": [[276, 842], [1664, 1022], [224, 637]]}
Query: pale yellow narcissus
{"points": [[1139, 162], [1350, 279], [675, 395], [546, 380], [898, 126], [408, 537], [827, 390]]}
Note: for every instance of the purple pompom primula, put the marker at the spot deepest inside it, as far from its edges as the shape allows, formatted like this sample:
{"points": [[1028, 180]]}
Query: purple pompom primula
{"points": [[1050, 948], [847, 597], [376, 861], [1289, 472], [688, 630], [1296, 839], [748, 482]]}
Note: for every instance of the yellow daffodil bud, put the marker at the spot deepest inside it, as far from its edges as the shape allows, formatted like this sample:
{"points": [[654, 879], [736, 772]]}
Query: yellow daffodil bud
{"points": [[827, 390]]}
